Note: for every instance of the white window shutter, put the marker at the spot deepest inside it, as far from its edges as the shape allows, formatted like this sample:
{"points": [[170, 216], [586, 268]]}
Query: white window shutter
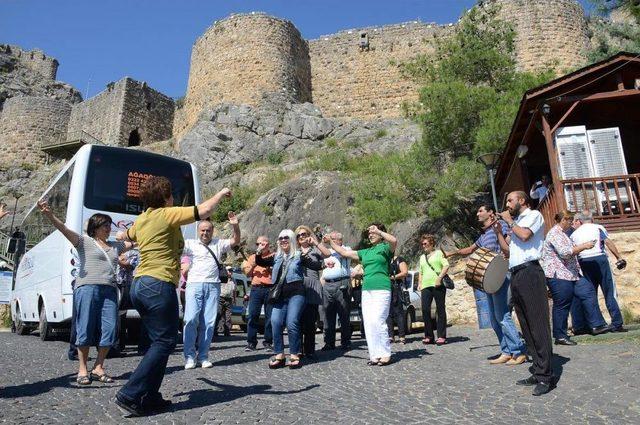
{"points": [[573, 153], [606, 152]]}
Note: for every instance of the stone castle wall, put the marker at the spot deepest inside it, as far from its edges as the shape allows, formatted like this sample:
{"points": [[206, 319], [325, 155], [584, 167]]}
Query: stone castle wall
{"points": [[549, 33], [351, 82], [243, 57], [125, 107], [26, 123], [35, 60]]}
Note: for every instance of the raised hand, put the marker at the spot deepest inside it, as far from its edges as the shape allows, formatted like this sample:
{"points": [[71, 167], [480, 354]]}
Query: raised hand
{"points": [[3, 212], [233, 218], [506, 216], [225, 192], [374, 229], [44, 207]]}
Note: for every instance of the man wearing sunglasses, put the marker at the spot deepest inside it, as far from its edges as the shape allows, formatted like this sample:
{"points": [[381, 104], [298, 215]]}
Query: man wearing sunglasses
{"points": [[259, 295]]}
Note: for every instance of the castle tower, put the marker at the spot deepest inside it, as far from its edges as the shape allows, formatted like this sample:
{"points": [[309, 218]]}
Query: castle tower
{"points": [[550, 33], [29, 123], [241, 58]]}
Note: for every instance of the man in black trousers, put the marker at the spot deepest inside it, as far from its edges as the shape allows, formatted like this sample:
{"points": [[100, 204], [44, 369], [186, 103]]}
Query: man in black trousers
{"points": [[528, 286]]}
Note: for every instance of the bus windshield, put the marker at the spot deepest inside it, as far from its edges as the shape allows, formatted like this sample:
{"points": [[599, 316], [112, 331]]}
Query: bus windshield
{"points": [[114, 177]]}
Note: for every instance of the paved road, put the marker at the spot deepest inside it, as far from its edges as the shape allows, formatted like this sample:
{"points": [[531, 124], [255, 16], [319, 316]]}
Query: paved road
{"points": [[599, 384]]}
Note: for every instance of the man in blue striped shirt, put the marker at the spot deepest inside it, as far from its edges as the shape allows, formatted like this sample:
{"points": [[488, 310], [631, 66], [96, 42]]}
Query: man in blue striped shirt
{"points": [[511, 345]]}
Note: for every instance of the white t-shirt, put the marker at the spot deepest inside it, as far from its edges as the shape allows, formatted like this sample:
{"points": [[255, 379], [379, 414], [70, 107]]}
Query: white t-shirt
{"points": [[203, 267], [523, 251], [336, 266], [590, 232]]}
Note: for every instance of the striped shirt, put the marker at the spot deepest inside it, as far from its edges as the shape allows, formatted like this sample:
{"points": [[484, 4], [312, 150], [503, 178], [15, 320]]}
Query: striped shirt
{"points": [[489, 239], [94, 268]]}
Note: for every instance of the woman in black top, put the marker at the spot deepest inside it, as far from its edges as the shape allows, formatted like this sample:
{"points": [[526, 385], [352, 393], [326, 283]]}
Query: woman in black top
{"points": [[398, 270]]}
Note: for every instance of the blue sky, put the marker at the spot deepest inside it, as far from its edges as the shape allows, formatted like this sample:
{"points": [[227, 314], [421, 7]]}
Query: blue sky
{"points": [[99, 41]]}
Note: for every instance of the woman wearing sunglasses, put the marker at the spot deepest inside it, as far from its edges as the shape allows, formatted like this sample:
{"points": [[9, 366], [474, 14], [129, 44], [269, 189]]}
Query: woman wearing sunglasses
{"points": [[376, 290], [313, 289], [288, 272]]}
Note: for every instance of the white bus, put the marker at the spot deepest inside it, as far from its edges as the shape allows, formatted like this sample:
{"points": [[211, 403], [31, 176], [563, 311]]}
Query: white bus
{"points": [[98, 179]]}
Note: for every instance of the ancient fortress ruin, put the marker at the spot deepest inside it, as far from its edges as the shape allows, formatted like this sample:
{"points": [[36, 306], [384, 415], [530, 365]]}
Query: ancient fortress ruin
{"points": [[247, 57]]}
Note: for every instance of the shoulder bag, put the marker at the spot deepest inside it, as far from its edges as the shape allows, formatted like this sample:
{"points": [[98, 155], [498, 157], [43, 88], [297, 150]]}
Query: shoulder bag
{"points": [[222, 270], [446, 279], [275, 293]]}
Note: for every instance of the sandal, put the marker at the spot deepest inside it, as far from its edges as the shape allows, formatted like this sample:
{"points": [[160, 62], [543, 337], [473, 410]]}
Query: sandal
{"points": [[403, 341], [373, 362], [381, 363], [441, 341], [277, 363], [104, 378], [294, 363], [426, 341], [83, 380]]}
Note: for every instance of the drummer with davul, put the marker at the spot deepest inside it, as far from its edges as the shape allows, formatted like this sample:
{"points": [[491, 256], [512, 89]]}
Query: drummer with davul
{"points": [[511, 345]]}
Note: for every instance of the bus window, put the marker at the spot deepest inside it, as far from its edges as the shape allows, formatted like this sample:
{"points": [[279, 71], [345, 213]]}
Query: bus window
{"points": [[114, 177], [35, 225]]}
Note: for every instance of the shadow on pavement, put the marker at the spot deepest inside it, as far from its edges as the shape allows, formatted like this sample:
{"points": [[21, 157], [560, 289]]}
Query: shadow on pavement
{"points": [[168, 371], [32, 389], [557, 364], [226, 393]]}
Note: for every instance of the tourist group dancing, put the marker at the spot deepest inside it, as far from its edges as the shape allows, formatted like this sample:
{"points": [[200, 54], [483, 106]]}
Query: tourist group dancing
{"points": [[309, 272]]}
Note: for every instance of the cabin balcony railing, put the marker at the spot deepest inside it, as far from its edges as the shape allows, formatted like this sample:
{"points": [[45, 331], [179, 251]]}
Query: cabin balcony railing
{"points": [[612, 197]]}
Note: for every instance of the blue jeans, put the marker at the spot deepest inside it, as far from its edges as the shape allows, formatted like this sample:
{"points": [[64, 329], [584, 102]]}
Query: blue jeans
{"points": [[585, 311], [157, 303], [562, 294], [258, 298], [502, 322], [598, 272], [200, 311], [96, 314], [287, 312]]}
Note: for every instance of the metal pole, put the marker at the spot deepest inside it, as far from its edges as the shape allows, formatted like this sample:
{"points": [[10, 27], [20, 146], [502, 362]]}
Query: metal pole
{"points": [[13, 216], [493, 190]]}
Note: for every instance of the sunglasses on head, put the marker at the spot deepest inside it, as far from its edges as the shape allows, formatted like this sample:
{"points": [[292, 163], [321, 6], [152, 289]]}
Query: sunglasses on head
{"points": [[283, 238]]}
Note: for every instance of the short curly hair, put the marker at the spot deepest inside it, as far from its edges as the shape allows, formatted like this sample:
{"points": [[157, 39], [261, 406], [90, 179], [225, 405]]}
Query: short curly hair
{"points": [[155, 191]]}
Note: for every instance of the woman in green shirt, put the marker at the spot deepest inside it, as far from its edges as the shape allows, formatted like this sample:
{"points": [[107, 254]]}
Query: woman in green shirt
{"points": [[376, 290], [433, 267]]}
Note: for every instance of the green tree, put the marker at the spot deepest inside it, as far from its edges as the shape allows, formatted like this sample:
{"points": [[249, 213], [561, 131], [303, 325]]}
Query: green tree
{"points": [[604, 7]]}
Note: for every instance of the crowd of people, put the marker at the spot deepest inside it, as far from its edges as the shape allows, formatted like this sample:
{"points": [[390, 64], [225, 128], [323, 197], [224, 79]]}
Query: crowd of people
{"points": [[305, 271]]}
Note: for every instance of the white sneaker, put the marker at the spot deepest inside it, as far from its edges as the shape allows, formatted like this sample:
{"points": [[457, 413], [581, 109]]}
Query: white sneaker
{"points": [[206, 364], [190, 364]]}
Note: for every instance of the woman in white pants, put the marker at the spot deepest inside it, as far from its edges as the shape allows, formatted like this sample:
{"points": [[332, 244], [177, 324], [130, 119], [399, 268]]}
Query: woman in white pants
{"points": [[376, 290]]}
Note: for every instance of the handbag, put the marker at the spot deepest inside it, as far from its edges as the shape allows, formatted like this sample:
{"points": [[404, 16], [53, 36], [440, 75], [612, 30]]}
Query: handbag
{"points": [[227, 289], [223, 275], [275, 293], [446, 279], [405, 298]]}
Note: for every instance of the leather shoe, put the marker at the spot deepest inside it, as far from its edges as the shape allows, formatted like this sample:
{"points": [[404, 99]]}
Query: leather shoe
{"points": [[528, 382], [541, 388], [503, 358], [516, 360], [577, 332], [565, 341], [600, 330], [618, 329]]}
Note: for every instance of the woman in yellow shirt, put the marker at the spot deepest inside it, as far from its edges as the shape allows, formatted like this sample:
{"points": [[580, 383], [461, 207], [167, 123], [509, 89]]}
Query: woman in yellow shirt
{"points": [[433, 267]]}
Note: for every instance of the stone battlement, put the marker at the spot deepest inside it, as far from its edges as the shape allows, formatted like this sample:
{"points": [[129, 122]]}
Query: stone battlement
{"points": [[35, 60]]}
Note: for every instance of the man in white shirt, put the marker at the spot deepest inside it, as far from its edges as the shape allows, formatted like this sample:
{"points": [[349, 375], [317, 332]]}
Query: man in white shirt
{"points": [[336, 277], [202, 293], [528, 286], [595, 266]]}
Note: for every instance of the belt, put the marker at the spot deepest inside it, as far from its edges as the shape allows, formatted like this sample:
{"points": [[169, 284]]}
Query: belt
{"points": [[524, 266], [337, 279], [261, 285]]}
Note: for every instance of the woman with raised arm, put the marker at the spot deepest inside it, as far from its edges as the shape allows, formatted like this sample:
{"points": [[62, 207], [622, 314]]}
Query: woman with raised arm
{"points": [[288, 265], [153, 293], [95, 294], [376, 290]]}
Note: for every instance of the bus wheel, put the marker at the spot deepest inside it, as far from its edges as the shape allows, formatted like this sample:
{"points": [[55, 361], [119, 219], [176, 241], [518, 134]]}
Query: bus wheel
{"points": [[21, 328], [46, 331]]}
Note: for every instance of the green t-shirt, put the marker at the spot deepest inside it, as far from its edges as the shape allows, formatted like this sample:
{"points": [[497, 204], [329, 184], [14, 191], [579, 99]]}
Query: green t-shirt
{"points": [[375, 261], [428, 274]]}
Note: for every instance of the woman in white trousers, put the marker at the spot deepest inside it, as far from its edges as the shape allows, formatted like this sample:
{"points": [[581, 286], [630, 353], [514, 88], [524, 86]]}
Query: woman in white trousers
{"points": [[376, 290]]}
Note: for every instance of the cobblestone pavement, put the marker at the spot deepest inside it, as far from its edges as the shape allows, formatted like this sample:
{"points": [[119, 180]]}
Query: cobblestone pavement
{"points": [[454, 383]]}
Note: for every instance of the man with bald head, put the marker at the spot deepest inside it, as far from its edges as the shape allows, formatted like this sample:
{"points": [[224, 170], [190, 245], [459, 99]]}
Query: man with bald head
{"points": [[336, 278], [528, 286], [202, 293]]}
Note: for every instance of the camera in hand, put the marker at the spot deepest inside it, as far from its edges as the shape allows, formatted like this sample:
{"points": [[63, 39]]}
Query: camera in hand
{"points": [[621, 264]]}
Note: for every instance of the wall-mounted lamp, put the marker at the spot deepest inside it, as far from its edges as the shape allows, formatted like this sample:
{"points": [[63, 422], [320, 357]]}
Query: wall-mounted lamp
{"points": [[636, 84], [546, 109]]}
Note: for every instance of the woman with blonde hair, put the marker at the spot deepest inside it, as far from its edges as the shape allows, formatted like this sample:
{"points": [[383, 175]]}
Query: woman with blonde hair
{"points": [[287, 295], [433, 267]]}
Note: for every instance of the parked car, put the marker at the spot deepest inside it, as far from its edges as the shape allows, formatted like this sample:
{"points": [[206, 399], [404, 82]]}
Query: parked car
{"points": [[240, 310], [413, 311]]}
